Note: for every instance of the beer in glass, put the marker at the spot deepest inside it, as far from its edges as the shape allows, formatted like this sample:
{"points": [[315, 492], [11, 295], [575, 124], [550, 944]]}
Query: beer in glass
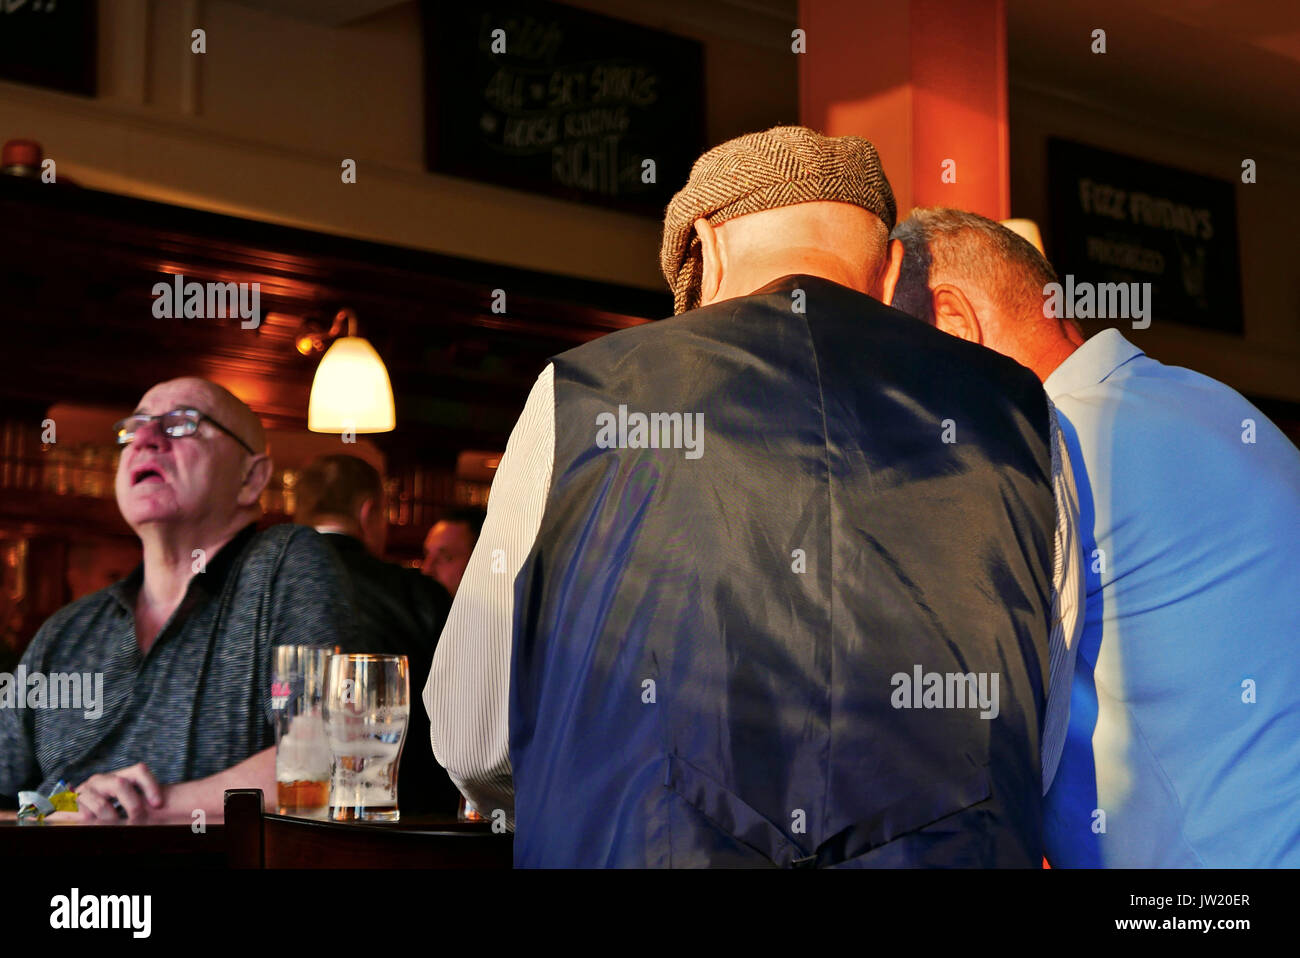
{"points": [[302, 757]]}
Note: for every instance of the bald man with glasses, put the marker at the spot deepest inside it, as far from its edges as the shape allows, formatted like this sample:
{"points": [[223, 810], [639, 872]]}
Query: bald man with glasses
{"points": [[183, 644]]}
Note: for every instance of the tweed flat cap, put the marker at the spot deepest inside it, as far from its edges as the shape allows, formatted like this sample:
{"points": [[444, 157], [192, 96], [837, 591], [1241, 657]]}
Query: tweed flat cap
{"points": [[763, 171]]}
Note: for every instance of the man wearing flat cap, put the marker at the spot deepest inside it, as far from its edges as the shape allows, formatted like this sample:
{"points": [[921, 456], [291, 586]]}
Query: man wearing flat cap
{"points": [[775, 581]]}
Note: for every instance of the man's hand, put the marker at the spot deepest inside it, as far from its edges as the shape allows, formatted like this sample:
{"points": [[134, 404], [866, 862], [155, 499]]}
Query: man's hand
{"points": [[142, 799], [134, 789]]}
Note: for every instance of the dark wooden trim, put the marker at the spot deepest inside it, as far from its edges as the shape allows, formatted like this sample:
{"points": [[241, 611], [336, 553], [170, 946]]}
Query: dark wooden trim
{"points": [[287, 249], [258, 840], [75, 848], [78, 268]]}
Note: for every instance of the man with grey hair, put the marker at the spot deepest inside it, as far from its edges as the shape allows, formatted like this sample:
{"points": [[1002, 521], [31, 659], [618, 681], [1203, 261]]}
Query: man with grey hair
{"points": [[1190, 501], [977, 280], [768, 582]]}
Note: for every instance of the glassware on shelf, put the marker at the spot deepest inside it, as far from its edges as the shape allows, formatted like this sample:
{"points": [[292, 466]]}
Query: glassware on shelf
{"points": [[90, 477], [289, 491]]}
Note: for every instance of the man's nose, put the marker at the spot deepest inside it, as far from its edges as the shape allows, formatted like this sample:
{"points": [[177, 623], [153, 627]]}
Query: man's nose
{"points": [[151, 435]]}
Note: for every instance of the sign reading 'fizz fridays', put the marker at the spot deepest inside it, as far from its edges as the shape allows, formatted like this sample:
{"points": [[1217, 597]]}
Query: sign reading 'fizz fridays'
{"points": [[1118, 220]]}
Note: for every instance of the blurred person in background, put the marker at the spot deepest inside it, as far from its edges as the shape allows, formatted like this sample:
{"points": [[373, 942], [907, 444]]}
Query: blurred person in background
{"points": [[450, 543], [398, 611]]}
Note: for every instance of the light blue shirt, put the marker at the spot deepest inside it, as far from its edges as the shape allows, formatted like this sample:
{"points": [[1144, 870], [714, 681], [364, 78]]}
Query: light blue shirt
{"points": [[1184, 740]]}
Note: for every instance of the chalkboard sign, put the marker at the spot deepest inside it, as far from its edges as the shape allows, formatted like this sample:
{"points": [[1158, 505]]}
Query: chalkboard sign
{"points": [[543, 97], [1120, 220], [49, 43]]}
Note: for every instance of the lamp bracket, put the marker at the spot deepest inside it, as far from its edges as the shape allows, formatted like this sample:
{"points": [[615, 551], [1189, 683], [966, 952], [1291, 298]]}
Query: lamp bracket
{"points": [[340, 318]]}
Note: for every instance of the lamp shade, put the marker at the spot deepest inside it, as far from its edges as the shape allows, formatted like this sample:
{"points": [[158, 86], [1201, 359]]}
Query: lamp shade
{"points": [[351, 391]]}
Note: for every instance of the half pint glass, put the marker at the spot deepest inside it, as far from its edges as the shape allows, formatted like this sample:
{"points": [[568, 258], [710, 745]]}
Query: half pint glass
{"points": [[302, 755]]}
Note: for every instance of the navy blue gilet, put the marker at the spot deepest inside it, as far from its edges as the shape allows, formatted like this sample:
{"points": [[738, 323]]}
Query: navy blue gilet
{"points": [[736, 647]]}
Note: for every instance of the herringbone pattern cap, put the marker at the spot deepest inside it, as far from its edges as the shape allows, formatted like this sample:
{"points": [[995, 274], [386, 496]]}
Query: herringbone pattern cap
{"points": [[763, 171]]}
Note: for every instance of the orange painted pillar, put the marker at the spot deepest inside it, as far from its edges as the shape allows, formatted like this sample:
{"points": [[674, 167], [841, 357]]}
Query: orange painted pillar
{"points": [[926, 82]]}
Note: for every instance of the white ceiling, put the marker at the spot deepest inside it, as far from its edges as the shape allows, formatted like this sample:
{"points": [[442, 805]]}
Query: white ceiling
{"points": [[1228, 68]]}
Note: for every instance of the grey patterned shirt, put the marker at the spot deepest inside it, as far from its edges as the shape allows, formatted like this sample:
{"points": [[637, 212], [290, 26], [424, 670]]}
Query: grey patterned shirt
{"points": [[198, 701]]}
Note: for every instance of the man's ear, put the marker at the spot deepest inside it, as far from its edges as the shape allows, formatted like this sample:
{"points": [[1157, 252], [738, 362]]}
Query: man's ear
{"points": [[255, 480], [954, 314], [374, 525], [887, 280], [711, 255]]}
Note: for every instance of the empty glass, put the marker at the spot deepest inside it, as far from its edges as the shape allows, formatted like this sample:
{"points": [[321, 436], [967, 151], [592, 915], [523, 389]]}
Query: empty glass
{"points": [[367, 705]]}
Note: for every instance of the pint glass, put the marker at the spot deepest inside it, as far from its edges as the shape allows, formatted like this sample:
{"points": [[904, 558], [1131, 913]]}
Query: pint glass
{"points": [[367, 704]]}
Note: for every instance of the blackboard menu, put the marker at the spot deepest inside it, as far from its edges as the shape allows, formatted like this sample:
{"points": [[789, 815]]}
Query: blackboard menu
{"points": [[1116, 219], [548, 98], [49, 43]]}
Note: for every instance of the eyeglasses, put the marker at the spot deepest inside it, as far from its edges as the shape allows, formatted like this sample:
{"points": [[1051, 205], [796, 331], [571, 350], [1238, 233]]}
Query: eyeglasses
{"points": [[176, 424]]}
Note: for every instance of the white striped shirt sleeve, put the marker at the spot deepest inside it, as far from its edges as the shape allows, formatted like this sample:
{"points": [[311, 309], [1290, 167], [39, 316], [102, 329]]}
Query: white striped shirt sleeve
{"points": [[1067, 603], [468, 691]]}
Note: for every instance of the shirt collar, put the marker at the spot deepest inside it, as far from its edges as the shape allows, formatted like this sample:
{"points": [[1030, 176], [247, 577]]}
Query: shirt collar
{"points": [[342, 540], [1091, 363], [329, 528], [125, 590], [211, 581], [218, 567]]}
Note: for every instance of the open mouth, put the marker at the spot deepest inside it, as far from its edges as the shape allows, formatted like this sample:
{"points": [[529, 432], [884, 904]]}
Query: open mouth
{"points": [[145, 474]]}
